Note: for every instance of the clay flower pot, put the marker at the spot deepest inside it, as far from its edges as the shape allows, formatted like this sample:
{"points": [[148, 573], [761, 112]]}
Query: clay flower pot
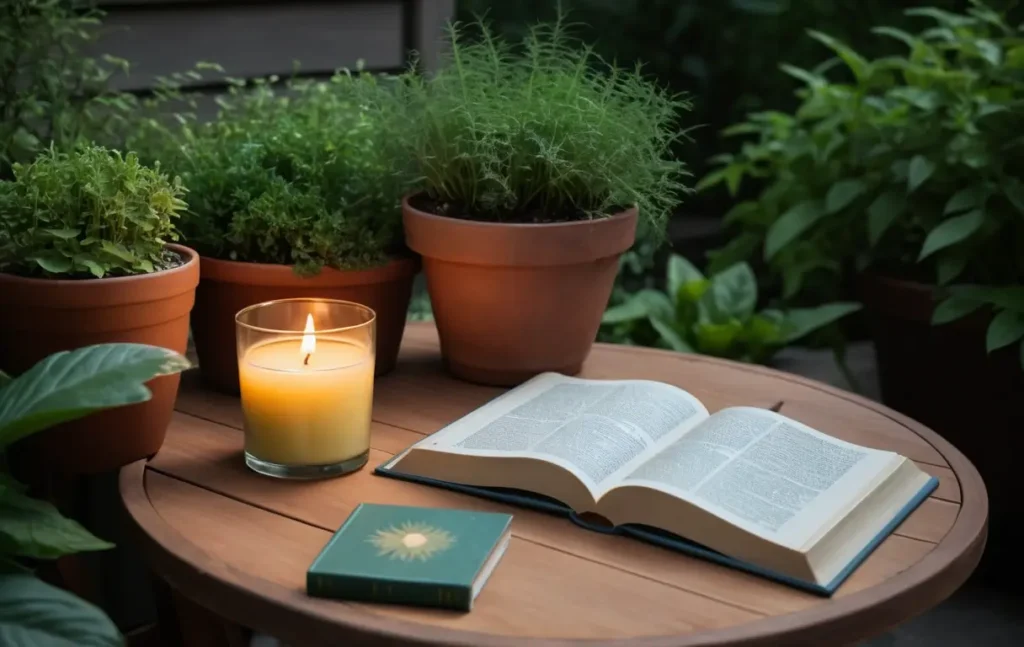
{"points": [[44, 316], [228, 286], [515, 300]]}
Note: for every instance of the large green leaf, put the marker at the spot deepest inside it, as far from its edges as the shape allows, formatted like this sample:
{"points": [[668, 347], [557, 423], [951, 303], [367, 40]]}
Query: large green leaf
{"points": [[800, 322], [921, 168], [72, 384], [1006, 328], [790, 225], [954, 308], [970, 198], [733, 293], [860, 67], [680, 272], [883, 212], [1004, 298], [35, 614], [951, 231], [718, 338], [670, 336], [843, 193], [33, 528]]}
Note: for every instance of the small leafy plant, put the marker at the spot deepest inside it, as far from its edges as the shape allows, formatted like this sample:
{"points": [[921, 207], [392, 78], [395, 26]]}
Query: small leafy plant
{"points": [[302, 177], [91, 213], [49, 91], [63, 387], [540, 132], [714, 315]]}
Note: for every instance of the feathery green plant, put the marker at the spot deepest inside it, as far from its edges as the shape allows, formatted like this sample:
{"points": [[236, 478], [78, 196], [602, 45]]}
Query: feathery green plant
{"points": [[300, 177], [540, 132], [87, 214]]}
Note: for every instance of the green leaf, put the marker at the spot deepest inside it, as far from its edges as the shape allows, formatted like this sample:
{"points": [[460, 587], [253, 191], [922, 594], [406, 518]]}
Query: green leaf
{"points": [[734, 292], [921, 168], [801, 322], [63, 234], [1006, 328], [883, 212], [800, 74], [857, 63], [669, 335], [1014, 190], [94, 268], [680, 272], [898, 34], [952, 309], [34, 614], [692, 292], [52, 261], [118, 250], [791, 225], [717, 338], [1003, 298], [989, 50], [965, 199], [842, 194], [69, 385], [948, 267], [35, 529], [631, 310], [952, 231]]}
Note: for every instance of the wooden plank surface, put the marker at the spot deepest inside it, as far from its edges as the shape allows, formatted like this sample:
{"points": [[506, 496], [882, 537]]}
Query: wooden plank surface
{"points": [[558, 580]]}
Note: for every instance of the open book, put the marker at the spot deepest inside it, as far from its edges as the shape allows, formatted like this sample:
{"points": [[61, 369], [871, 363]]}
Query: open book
{"points": [[746, 487]]}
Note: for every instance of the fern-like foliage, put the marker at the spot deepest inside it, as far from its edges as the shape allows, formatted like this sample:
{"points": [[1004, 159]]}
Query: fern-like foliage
{"points": [[540, 131]]}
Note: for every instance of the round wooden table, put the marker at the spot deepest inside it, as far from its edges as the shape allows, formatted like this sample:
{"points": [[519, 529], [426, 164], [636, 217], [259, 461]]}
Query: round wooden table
{"points": [[239, 544]]}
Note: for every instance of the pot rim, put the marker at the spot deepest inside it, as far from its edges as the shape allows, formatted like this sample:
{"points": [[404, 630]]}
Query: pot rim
{"points": [[191, 260], [624, 214], [247, 273]]}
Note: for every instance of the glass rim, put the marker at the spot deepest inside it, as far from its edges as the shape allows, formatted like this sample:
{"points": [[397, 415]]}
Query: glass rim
{"points": [[319, 331]]}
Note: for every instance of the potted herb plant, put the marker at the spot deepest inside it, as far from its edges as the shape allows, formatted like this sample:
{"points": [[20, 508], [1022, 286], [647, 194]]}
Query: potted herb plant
{"points": [[903, 178], [291, 195], [85, 258], [59, 389], [535, 164]]}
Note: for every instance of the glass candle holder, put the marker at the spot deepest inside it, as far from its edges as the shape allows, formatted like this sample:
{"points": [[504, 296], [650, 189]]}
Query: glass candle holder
{"points": [[305, 368]]}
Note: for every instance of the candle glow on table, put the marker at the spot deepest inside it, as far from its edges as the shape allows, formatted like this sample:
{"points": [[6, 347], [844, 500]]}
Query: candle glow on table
{"points": [[307, 400]]}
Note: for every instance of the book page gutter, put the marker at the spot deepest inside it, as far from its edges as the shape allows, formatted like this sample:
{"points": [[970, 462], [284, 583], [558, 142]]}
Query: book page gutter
{"points": [[768, 475]]}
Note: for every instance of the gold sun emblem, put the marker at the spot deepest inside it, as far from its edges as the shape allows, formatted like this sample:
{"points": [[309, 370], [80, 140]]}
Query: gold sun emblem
{"points": [[411, 540]]}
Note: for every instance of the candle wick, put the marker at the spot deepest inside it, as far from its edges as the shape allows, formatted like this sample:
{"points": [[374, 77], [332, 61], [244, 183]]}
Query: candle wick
{"points": [[305, 362]]}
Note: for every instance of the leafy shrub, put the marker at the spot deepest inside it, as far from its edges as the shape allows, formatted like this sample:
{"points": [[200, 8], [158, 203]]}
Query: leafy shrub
{"points": [[49, 91], [713, 315], [63, 387], [301, 177], [914, 169], [540, 132], [89, 213]]}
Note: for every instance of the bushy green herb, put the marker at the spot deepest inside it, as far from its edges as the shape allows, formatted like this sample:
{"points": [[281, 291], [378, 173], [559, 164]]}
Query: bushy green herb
{"points": [[89, 213], [713, 315], [301, 177], [49, 90], [541, 132], [914, 168]]}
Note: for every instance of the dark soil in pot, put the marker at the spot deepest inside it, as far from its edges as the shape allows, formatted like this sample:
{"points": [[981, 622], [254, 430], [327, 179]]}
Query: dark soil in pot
{"points": [[228, 286], [942, 377], [512, 300], [44, 316]]}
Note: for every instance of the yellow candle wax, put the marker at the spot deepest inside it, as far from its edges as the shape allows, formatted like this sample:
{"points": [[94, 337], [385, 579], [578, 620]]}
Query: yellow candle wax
{"points": [[306, 408]]}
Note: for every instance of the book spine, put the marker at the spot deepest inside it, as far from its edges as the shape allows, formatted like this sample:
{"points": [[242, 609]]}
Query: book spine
{"points": [[425, 594]]}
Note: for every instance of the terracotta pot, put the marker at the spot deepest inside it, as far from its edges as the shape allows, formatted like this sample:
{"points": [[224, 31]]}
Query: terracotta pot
{"points": [[942, 376], [228, 286], [515, 300], [44, 316]]}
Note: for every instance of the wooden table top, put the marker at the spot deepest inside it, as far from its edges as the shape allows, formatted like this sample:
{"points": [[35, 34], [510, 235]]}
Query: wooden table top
{"points": [[239, 543]]}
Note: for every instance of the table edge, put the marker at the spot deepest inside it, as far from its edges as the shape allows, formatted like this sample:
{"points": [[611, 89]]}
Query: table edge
{"points": [[242, 597]]}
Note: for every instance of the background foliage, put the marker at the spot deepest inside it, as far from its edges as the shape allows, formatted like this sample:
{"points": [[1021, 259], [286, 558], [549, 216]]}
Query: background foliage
{"points": [[90, 213]]}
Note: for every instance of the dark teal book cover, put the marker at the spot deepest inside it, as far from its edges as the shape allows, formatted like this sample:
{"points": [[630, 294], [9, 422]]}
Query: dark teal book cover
{"points": [[409, 555]]}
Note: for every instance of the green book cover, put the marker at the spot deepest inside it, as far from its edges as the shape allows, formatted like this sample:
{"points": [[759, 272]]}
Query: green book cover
{"points": [[409, 555]]}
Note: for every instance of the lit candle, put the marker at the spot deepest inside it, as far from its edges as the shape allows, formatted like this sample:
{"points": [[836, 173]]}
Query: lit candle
{"points": [[307, 400]]}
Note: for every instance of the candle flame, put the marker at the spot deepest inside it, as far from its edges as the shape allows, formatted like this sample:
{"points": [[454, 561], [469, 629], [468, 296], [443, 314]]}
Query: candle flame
{"points": [[308, 338]]}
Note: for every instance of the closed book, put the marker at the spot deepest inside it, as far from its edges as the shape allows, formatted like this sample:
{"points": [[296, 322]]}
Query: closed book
{"points": [[393, 554]]}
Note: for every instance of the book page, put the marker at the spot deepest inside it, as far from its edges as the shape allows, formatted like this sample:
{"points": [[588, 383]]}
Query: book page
{"points": [[596, 429], [763, 472]]}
